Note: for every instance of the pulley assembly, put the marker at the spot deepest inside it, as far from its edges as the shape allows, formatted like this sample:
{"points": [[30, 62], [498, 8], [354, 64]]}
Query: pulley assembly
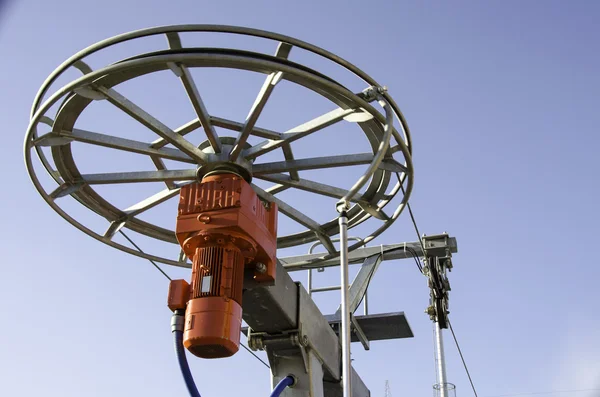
{"points": [[224, 226]]}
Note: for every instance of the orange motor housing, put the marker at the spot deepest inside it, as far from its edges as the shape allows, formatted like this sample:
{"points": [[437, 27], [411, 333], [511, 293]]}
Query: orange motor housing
{"points": [[224, 228]]}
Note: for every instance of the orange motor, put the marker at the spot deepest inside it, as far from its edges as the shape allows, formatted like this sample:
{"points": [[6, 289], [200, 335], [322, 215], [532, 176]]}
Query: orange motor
{"points": [[224, 228]]}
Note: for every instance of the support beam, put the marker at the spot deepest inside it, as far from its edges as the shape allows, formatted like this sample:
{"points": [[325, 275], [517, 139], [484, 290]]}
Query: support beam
{"points": [[440, 242], [361, 283], [111, 142], [139, 176]]}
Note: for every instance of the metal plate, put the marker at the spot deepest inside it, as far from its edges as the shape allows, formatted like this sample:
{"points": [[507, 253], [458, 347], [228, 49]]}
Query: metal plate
{"points": [[379, 326]]}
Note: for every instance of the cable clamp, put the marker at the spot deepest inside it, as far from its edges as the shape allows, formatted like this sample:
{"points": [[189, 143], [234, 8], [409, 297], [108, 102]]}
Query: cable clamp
{"points": [[177, 322]]}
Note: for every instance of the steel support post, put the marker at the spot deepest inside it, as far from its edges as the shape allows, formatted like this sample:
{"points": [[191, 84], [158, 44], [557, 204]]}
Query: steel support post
{"points": [[345, 309], [441, 361]]}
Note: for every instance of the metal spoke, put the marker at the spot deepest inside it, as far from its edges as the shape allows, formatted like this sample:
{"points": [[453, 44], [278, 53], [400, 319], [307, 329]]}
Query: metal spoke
{"points": [[114, 228], [183, 130], [259, 103], [186, 78], [288, 210], [307, 185], [138, 208], [200, 108], [235, 126], [151, 201], [289, 156], [113, 142], [153, 124], [392, 166], [160, 166], [139, 176], [217, 122], [252, 118], [65, 189], [297, 216], [276, 189], [298, 132], [174, 40], [373, 211], [312, 163]]}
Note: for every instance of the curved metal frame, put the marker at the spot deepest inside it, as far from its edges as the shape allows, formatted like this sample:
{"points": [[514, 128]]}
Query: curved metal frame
{"points": [[98, 85]]}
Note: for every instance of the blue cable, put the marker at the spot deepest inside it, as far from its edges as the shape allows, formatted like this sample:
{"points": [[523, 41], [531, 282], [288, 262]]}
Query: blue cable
{"points": [[176, 324], [181, 358], [285, 382]]}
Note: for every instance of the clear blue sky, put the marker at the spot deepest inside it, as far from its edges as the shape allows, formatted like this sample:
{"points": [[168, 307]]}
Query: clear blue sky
{"points": [[501, 98]]}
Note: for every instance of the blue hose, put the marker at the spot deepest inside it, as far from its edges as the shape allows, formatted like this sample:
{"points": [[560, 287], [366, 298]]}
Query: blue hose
{"points": [[285, 382], [183, 364], [177, 328]]}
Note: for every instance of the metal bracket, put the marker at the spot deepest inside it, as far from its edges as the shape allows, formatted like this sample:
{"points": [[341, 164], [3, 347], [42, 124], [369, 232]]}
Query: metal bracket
{"points": [[440, 245], [370, 94], [443, 244], [439, 261], [359, 333]]}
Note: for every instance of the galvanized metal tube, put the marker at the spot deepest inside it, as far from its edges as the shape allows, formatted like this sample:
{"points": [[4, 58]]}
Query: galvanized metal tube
{"points": [[309, 283], [345, 331], [441, 361]]}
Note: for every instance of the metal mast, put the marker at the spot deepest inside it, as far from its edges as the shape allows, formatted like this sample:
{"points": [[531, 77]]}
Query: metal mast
{"points": [[388, 391], [438, 263], [440, 361]]}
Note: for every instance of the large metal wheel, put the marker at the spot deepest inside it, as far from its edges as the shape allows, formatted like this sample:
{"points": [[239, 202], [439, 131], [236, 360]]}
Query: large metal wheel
{"points": [[387, 154]]}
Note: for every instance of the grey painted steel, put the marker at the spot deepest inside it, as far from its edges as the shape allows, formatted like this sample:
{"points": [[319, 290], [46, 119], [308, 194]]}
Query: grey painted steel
{"points": [[389, 252], [298, 132], [98, 85], [151, 201], [298, 339], [273, 308], [93, 138], [359, 389], [345, 311], [361, 283], [382, 326], [152, 123], [306, 185], [187, 80], [139, 176], [378, 158], [314, 163], [308, 375], [236, 126], [317, 333], [283, 50], [199, 107], [440, 361], [360, 334]]}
